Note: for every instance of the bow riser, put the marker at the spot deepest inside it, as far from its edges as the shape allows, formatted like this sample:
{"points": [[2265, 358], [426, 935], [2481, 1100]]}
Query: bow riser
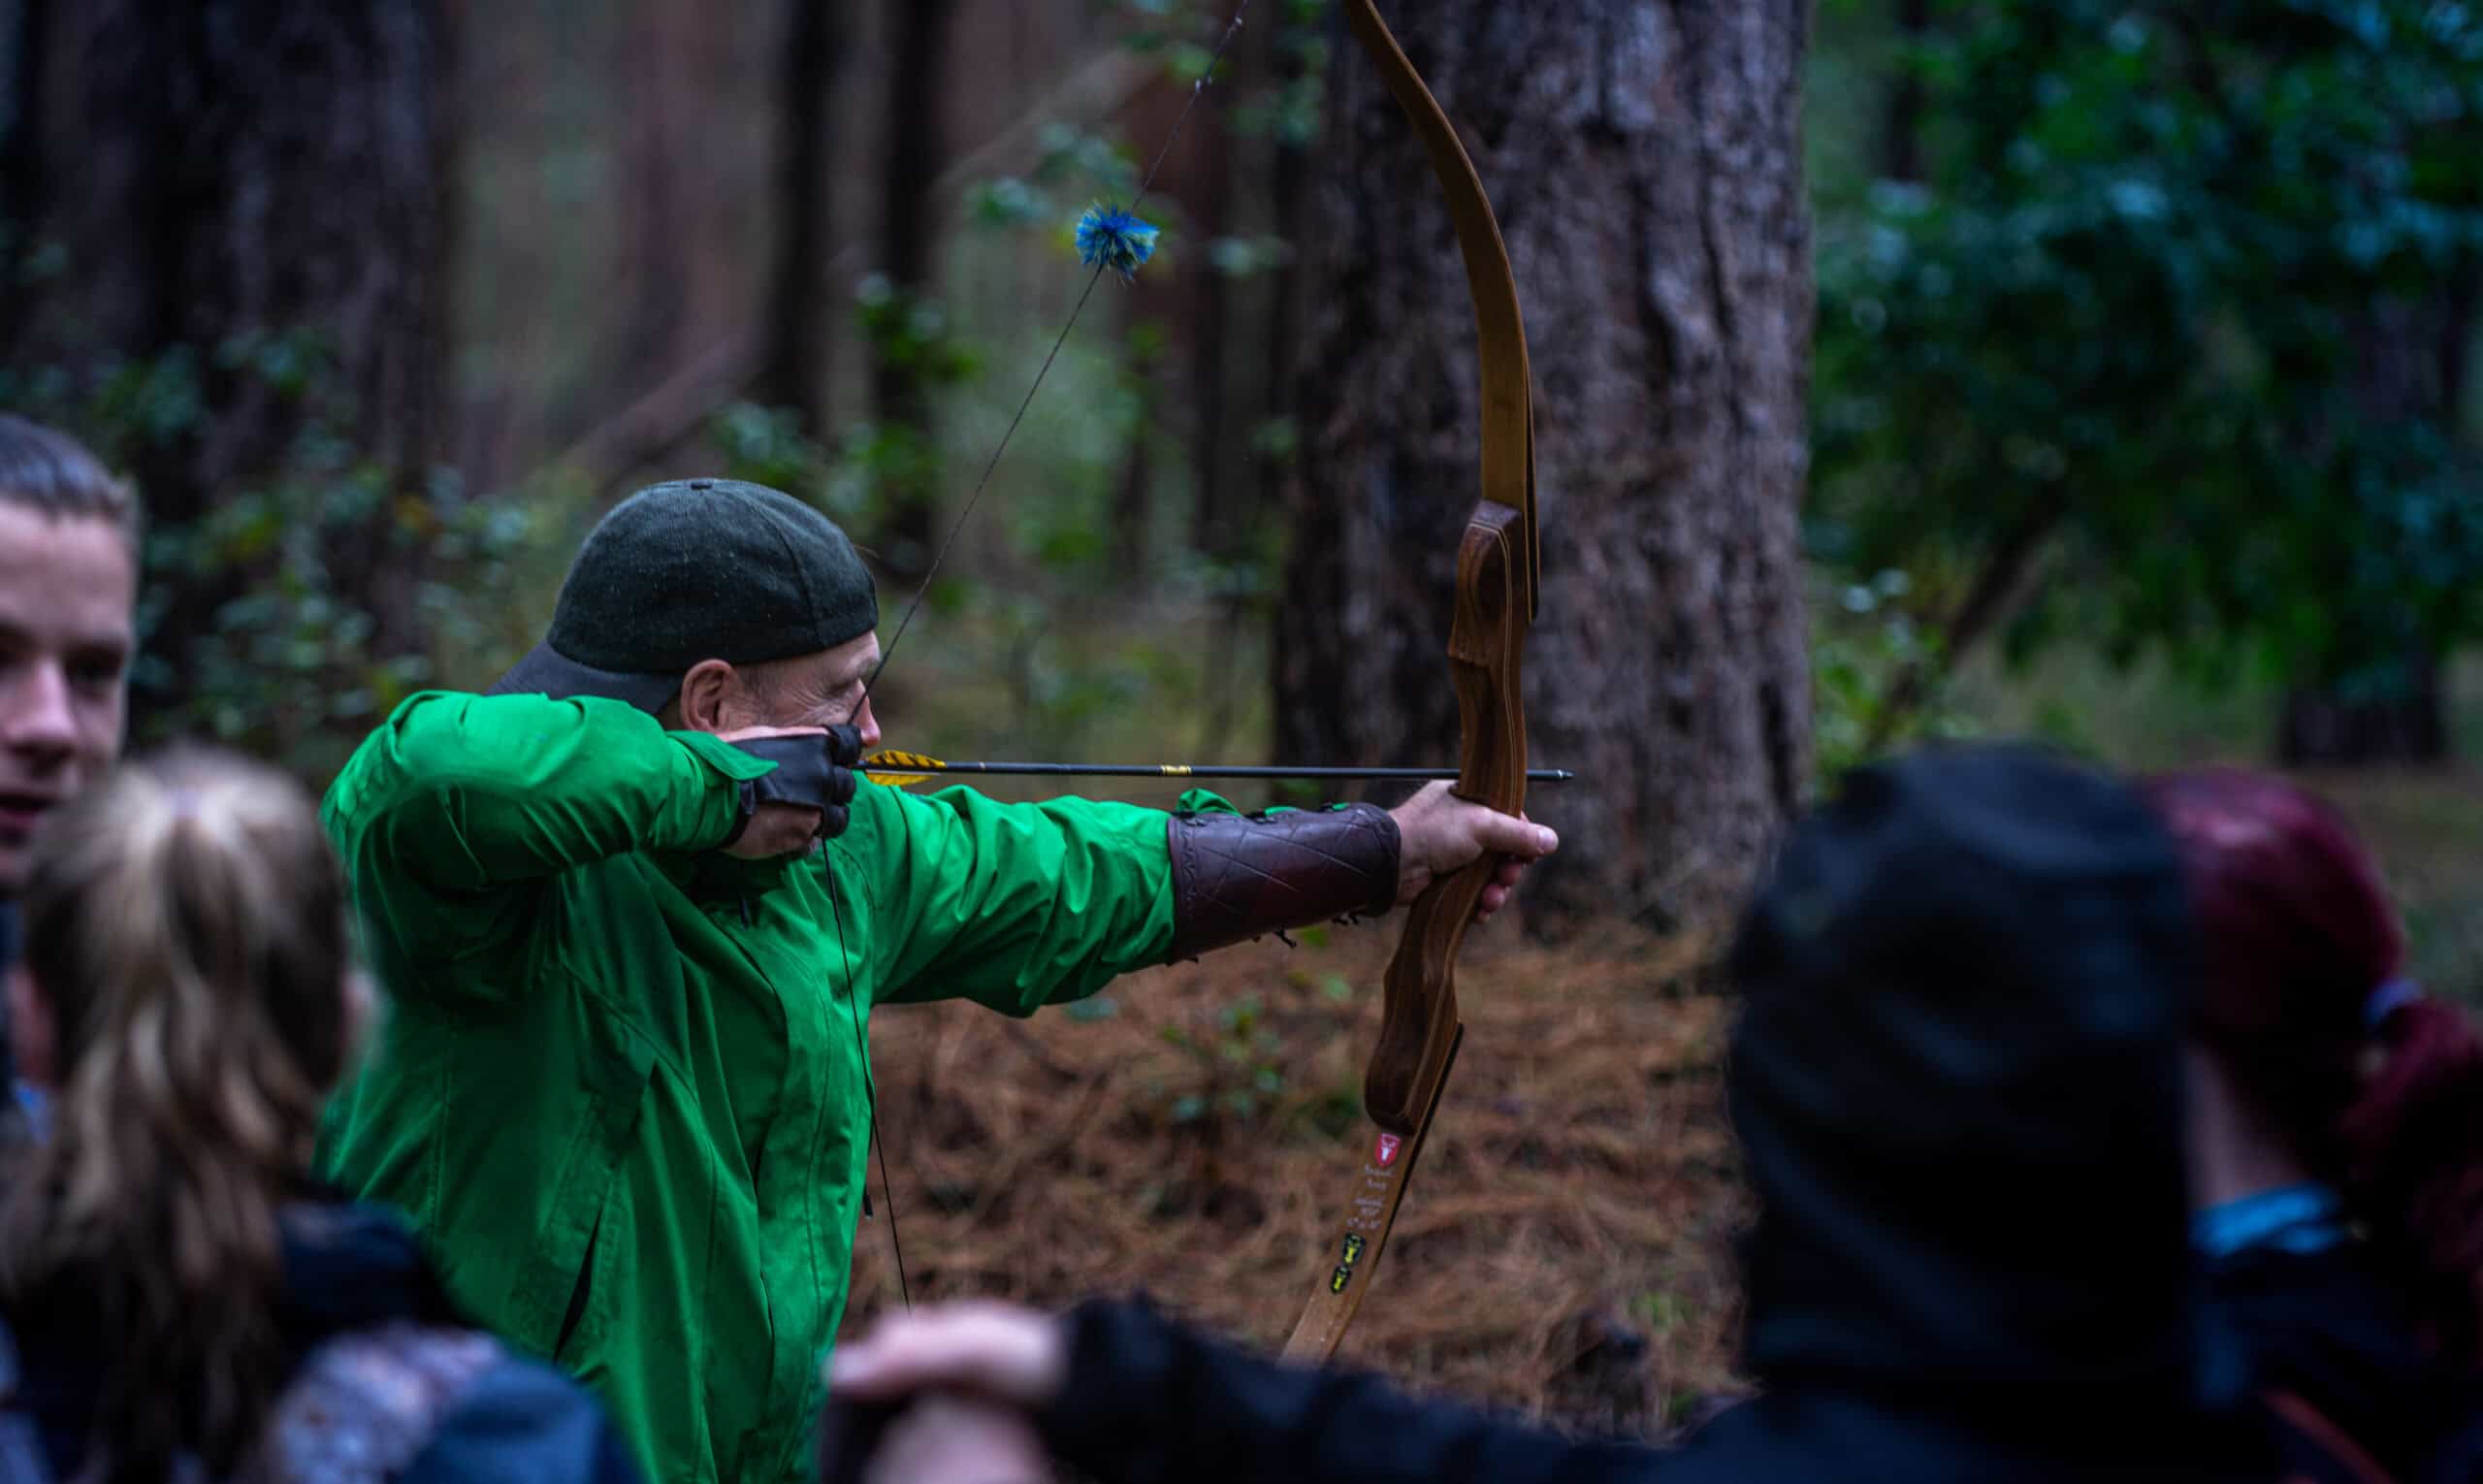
{"points": [[1485, 644]]}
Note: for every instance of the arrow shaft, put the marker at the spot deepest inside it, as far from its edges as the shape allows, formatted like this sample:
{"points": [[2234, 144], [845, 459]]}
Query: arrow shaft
{"points": [[1181, 770]]}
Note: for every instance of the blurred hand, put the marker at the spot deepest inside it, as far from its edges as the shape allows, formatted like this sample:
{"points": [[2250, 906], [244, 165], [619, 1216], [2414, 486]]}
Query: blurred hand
{"points": [[804, 799], [949, 1439], [997, 1352], [1440, 834]]}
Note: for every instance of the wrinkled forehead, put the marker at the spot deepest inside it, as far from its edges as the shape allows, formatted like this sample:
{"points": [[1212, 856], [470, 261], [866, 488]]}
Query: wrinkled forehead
{"points": [[830, 671]]}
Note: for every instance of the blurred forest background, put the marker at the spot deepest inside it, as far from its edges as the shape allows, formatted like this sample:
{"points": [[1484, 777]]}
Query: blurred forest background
{"points": [[2097, 369]]}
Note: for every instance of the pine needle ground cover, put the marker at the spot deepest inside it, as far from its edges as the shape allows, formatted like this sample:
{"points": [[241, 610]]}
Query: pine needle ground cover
{"points": [[1565, 1247]]}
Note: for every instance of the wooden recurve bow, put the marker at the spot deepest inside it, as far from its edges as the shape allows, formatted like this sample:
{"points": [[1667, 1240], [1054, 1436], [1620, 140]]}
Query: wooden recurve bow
{"points": [[1499, 570]]}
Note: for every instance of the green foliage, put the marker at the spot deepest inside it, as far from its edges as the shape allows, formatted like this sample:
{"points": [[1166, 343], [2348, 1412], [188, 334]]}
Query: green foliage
{"points": [[2169, 308], [294, 661], [880, 469], [1238, 1068], [864, 481], [1861, 641], [1294, 110], [766, 445], [1077, 600], [1072, 169]]}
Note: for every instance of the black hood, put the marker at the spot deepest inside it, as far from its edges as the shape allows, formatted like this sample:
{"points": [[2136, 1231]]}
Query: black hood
{"points": [[1956, 1080]]}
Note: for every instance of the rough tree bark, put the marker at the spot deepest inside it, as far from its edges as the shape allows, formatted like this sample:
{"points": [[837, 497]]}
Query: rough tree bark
{"points": [[794, 372], [1648, 176], [266, 168]]}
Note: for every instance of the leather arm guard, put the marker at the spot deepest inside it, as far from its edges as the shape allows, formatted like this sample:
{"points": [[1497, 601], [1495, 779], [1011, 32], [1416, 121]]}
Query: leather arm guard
{"points": [[1239, 876]]}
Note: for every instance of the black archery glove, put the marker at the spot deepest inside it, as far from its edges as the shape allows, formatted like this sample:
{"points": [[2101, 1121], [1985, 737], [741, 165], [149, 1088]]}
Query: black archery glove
{"points": [[812, 772]]}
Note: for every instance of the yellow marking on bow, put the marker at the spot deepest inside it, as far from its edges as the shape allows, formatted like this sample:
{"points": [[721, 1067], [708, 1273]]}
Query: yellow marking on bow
{"points": [[932, 768]]}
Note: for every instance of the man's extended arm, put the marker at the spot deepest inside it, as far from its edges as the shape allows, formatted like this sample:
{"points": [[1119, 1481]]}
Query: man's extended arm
{"points": [[1020, 905]]}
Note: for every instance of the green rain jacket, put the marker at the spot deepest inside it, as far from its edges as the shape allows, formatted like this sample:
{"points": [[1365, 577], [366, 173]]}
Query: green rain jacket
{"points": [[620, 1088]]}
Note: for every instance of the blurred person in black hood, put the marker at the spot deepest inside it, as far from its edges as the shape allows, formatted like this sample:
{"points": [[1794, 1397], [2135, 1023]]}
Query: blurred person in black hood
{"points": [[1957, 1081]]}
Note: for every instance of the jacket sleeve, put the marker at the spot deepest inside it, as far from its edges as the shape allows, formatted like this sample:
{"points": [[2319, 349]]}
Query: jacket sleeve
{"points": [[1013, 906], [523, 1423], [456, 800], [1152, 1401]]}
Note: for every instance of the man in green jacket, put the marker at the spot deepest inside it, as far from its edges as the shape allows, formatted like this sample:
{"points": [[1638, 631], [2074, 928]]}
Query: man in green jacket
{"points": [[631, 915]]}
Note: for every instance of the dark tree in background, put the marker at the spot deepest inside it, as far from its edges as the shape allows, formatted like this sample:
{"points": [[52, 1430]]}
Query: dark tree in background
{"points": [[27, 50], [794, 370], [2404, 376], [901, 383], [1648, 177], [263, 221], [1244, 346]]}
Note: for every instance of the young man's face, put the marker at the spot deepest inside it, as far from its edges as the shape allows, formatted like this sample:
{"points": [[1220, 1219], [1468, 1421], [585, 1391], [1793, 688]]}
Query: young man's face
{"points": [[68, 586]]}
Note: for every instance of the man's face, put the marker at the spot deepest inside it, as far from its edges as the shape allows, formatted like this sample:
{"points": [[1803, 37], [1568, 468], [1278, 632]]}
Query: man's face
{"points": [[822, 689], [67, 590]]}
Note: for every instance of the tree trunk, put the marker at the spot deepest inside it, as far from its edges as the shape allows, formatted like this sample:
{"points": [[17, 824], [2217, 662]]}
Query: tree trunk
{"points": [[909, 219], [2410, 367], [1649, 181], [1901, 130], [654, 260], [1241, 482], [1287, 200], [794, 372], [2322, 728], [27, 57], [268, 170], [1222, 332]]}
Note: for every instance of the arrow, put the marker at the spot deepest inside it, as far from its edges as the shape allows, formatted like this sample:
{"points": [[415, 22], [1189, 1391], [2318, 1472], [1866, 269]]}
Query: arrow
{"points": [[896, 770]]}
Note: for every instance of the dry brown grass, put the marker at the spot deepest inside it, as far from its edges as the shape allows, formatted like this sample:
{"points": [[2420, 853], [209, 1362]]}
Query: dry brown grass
{"points": [[1565, 1247]]}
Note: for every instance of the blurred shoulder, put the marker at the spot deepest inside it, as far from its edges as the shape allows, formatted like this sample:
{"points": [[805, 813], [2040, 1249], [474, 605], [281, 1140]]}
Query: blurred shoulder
{"points": [[410, 1402]]}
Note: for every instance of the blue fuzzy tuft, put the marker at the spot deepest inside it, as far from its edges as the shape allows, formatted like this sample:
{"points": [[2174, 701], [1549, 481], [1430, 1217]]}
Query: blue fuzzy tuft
{"points": [[1115, 238]]}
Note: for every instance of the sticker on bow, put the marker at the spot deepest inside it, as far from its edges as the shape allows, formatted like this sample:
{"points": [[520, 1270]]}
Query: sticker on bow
{"points": [[1345, 1273], [1385, 1151]]}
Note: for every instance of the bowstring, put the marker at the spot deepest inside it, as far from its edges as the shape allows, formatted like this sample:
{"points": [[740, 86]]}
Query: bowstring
{"points": [[870, 1094], [1147, 184], [870, 1077]]}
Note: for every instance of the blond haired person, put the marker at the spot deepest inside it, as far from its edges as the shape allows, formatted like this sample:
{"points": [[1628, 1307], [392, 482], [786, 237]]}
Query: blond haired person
{"points": [[180, 1302]]}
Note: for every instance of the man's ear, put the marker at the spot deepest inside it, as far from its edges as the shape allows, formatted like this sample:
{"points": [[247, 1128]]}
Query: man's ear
{"points": [[708, 691], [32, 1035]]}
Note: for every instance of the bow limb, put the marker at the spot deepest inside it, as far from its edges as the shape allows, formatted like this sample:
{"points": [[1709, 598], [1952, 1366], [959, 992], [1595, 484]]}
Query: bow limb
{"points": [[1499, 566]]}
